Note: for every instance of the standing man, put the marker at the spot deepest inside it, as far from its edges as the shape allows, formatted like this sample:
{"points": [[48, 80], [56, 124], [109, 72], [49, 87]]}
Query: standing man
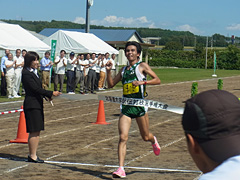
{"points": [[79, 73], [24, 52], [211, 122], [98, 68], [18, 72], [134, 82], [3, 74], [70, 73], [102, 74], [107, 58], [9, 64], [86, 69], [92, 73], [61, 63], [113, 70], [46, 65]]}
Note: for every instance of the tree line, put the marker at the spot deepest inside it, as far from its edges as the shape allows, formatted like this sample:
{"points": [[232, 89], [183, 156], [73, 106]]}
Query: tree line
{"points": [[185, 38], [227, 58]]}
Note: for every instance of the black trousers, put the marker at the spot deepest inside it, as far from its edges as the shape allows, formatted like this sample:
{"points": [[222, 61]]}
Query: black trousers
{"points": [[96, 81], [91, 79], [3, 84]]}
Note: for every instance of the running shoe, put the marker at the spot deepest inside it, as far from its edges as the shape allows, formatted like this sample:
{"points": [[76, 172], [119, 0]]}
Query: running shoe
{"points": [[156, 147], [120, 173]]}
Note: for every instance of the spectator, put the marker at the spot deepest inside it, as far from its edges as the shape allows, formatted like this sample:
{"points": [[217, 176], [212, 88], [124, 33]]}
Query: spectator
{"points": [[3, 74], [105, 79], [113, 70], [18, 72], [79, 73], [92, 73], [61, 63], [86, 69], [9, 64], [70, 73], [24, 52], [102, 72], [46, 65], [98, 68], [211, 121], [107, 56]]}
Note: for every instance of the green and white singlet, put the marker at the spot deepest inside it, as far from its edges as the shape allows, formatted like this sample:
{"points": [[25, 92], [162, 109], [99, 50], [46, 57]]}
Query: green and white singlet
{"points": [[130, 91]]}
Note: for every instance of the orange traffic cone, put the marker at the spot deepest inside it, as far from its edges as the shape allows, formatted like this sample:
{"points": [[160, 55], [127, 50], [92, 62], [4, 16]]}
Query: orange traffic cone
{"points": [[101, 114], [22, 135]]}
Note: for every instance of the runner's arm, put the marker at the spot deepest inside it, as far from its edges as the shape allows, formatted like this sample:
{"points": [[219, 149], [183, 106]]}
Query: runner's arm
{"points": [[145, 69], [112, 82]]}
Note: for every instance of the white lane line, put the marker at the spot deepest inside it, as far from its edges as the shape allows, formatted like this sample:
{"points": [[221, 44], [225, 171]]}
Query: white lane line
{"points": [[196, 178], [6, 145], [10, 117], [127, 167], [108, 139], [173, 142], [23, 166], [16, 168], [11, 102], [150, 152], [56, 110]]}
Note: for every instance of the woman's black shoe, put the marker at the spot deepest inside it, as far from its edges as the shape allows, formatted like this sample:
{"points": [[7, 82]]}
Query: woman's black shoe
{"points": [[35, 161]]}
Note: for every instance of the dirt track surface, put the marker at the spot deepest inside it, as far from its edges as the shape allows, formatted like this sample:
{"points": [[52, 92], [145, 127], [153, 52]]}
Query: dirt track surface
{"points": [[70, 136]]}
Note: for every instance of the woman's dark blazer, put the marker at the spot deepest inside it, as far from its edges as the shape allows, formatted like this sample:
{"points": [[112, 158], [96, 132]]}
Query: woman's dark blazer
{"points": [[34, 91]]}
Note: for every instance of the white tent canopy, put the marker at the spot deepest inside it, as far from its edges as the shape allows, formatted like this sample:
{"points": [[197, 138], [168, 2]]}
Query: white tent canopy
{"points": [[79, 42], [14, 37]]}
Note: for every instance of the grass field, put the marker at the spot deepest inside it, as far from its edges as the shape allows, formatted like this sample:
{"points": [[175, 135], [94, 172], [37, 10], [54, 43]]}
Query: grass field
{"points": [[169, 75]]}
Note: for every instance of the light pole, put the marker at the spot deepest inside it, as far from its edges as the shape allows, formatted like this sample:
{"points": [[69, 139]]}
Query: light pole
{"points": [[89, 4], [206, 53]]}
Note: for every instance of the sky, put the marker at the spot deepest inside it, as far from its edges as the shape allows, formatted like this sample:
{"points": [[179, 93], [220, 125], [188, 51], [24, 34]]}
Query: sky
{"points": [[201, 17]]}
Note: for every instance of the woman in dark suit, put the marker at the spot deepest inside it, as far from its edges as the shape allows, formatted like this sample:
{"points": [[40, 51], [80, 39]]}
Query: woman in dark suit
{"points": [[33, 103]]}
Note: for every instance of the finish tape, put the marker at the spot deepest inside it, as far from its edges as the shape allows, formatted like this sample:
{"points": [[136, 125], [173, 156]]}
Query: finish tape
{"points": [[142, 102]]}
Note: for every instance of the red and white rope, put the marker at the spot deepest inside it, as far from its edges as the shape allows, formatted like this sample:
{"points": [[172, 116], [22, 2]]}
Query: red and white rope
{"points": [[9, 112]]}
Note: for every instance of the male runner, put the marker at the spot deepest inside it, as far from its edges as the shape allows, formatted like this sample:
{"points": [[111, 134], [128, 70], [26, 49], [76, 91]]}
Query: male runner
{"points": [[134, 82]]}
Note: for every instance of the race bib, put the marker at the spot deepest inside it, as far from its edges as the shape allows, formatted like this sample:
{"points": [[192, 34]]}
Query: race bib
{"points": [[130, 89]]}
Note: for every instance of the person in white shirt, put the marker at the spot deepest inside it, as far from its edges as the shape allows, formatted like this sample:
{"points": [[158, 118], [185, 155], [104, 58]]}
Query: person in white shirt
{"points": [[19, 62], [10, 63], [61, 63], [98, 68], [24, 52], [79, 72], [102, 72], [92, 73], [105, 80], [70, 73], [211, 122], [86, 69], [113, 70]]}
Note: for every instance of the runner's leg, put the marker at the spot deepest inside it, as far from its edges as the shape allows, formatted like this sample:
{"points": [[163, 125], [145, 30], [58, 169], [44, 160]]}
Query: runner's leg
{"points": [[124, 125], [143, 125]]}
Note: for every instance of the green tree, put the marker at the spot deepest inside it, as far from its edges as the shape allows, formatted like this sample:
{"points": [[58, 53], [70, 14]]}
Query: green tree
{"points": [[176, 46]]}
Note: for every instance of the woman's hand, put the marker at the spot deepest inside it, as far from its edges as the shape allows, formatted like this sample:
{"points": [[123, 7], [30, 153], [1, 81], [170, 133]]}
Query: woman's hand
{"points": [[56, 93]]}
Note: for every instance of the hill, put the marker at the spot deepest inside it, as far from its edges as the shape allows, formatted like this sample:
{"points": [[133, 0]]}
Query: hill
{"points": [[186, 38]]}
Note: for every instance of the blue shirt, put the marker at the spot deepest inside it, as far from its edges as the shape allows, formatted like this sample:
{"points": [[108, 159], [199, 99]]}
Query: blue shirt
{"points": [[3, 63], [43, 63], [229, 169]]}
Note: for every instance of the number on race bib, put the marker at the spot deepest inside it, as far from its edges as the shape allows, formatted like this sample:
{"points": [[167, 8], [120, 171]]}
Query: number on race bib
{"points": [[130, 89]]}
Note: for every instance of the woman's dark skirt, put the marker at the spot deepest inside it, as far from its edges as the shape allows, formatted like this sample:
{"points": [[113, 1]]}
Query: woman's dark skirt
{"points": [[34, 120]]}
